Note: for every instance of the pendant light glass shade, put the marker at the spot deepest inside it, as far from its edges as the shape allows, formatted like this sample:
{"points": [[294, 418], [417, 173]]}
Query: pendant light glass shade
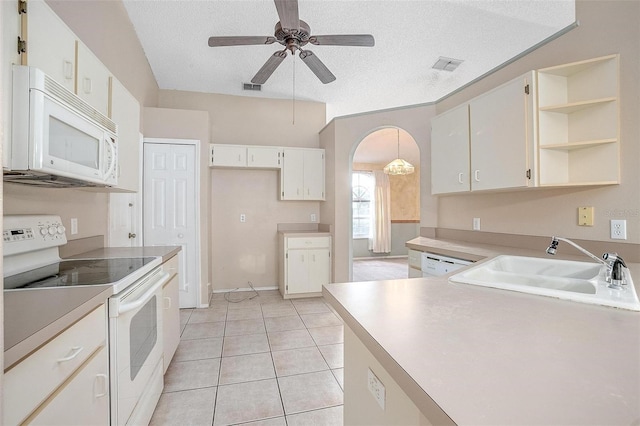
{"points": [[399, 166]]}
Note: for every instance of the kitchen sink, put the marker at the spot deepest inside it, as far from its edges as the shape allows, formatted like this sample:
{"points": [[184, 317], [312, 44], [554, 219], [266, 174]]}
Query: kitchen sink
{"points": [[578, 281]]}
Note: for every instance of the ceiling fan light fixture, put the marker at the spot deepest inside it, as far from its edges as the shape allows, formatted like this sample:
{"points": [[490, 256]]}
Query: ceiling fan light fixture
{"points": [[446, 64], [399, 166]]}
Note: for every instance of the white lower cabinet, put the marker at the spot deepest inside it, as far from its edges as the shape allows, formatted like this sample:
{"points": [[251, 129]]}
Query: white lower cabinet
{"points": [[305, 265], [66, 381], [171, 312]]}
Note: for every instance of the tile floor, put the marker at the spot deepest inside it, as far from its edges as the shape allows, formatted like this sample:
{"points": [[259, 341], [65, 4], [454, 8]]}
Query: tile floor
{"points": [[265, 361]]}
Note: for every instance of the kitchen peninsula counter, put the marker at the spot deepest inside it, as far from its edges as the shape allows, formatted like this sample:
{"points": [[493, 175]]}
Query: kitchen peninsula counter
{"points": [[465, 354]]}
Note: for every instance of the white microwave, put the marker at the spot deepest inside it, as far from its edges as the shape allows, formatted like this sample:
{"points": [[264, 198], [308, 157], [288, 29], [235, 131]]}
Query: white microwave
{"points": [[57, 139]]}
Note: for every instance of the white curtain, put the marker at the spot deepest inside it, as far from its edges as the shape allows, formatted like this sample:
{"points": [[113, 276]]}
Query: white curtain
{"points": [[380, 231]]}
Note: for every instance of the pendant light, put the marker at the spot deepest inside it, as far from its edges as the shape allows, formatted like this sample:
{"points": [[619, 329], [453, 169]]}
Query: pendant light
{"points": [[399, 166]]}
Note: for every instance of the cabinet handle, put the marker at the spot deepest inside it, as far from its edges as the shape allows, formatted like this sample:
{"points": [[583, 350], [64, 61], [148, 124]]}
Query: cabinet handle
{"points": [[105, 388], [476, 175], [75, 350], [87, 85], [68, 70], [252, 158], [239, 157], [167, 303], [459, 177]]}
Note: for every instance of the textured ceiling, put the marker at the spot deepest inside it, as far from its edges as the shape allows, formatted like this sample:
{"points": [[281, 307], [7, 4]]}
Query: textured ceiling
{"points": [[409, 36]]}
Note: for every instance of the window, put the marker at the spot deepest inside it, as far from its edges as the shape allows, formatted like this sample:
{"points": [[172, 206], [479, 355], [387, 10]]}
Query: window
{"points": [[362, 186]]}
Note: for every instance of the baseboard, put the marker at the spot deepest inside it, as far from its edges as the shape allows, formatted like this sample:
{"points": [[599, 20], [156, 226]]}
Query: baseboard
{"points": [[226, 290], [381, 257]]}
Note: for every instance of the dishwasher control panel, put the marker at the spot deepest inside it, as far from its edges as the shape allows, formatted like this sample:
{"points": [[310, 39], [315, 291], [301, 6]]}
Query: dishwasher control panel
{"points": [[435, 265]]}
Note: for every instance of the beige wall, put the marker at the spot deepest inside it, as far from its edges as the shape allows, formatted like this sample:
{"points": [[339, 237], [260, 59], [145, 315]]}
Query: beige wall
{"points": [[606, 27], [340, 138], [170, 123], [242, 252]]}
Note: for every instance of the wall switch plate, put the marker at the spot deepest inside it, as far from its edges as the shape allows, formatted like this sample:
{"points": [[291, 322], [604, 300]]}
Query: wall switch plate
{"points": [[476, 223], [376, 388], [585, 216], [618, 229], [243, 218], [74, 226], [313, 217]]}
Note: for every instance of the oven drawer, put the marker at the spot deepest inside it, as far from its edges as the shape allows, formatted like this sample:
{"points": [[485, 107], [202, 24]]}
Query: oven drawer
{"points": [[35, 378]]}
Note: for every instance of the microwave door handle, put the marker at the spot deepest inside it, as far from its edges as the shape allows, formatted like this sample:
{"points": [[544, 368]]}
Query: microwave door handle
{"points": [[112, 163], [138, 302]]}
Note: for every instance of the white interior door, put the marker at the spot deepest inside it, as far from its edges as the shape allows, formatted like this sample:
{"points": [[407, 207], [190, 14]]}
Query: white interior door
{"points": [[170, 209]]}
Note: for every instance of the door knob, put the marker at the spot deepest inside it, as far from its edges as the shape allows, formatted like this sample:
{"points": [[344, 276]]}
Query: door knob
{"points": [[132, 235], [180, 235]]}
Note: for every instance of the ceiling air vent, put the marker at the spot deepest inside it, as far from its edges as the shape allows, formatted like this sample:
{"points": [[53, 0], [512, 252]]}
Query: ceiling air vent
{"points": [[251, 86], [446, 64]]}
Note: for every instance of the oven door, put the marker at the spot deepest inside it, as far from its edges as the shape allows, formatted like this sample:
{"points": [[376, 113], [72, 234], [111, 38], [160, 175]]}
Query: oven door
{"points": [[135, 337]]}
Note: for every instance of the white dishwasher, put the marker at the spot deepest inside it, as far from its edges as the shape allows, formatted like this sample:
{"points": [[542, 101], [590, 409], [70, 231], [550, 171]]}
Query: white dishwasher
{"points": [[435, 265]]}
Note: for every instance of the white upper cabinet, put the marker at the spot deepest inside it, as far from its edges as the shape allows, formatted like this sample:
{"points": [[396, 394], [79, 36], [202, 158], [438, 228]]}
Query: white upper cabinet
{"points": [[245, 156], [578, 114], [92, 79], [51, 45], [450, 151], [125, 112], [487, 143], [302, 176], [501, 132]]}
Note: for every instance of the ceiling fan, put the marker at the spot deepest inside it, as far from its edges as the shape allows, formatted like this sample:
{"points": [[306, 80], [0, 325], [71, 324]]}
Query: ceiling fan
{"points": [[293, 33]]}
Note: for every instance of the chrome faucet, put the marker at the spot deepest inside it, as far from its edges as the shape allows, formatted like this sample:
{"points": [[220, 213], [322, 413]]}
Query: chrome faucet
{"points": [[614, 272]]}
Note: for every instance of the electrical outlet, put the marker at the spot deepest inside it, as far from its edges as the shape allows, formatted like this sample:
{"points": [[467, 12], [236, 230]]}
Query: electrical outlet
{"points": [[74, 226], [313, 217], [476, 223], [376, 388], [243, 218], [618, 229]]}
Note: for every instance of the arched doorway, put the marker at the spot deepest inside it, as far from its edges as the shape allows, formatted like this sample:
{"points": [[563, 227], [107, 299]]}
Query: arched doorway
{"points": [[384, 257]]}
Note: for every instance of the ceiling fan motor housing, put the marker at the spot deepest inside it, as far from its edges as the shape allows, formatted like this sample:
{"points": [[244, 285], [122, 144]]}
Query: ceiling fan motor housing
{"points": [[293, 39]]}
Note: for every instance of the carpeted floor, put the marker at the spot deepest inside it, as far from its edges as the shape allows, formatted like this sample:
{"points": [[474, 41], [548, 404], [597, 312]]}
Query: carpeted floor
{"points": [[380, 269]]}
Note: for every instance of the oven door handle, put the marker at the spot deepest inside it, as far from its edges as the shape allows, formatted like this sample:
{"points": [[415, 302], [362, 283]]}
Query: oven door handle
{"points": [[135, 304]]}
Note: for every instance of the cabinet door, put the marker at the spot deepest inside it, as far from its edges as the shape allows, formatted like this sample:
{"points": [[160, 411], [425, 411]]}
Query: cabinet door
{"points": [[92, 79], [51, 45], [292, 175], [268, 157], [313, 175], [450, 151], [84, 400], [297, 272], [170, 319], [125, 112], [228, 155], [319, 269], [500, 136]]}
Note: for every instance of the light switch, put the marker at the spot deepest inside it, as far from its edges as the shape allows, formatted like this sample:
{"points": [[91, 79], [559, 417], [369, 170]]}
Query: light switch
{"points": [[585, 216]]}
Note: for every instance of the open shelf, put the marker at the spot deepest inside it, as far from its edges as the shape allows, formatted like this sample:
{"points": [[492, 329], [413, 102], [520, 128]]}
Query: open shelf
{"points": [[578, 123]]}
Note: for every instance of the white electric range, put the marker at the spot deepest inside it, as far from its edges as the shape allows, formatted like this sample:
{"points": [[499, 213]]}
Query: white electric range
{"points": [[32, 264]]}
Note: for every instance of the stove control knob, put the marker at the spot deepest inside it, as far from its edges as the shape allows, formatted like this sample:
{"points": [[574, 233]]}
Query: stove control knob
{"points": [[60, 229], [53, 230], [43, 231]]}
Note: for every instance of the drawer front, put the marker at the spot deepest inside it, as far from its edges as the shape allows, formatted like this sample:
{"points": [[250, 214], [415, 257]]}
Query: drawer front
{"points": [[415, 259], [87, 393], [308, 242], [31, 381]]}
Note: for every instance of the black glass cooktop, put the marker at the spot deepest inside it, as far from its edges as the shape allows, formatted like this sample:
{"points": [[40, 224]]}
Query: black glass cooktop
{"points": [[76, 272]]}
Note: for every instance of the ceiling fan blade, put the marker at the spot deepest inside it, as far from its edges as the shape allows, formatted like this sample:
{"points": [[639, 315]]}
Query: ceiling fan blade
{"points": [[288, 14], [317, 66], [239, 41], [269, 67], [364, 40]]}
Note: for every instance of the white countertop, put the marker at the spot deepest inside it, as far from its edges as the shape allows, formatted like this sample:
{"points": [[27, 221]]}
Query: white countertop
{"points": [[489, 356]]}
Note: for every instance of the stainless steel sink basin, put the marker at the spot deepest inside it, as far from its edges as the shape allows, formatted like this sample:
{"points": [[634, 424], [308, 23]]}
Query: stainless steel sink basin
{"points": [[564, 279]]}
